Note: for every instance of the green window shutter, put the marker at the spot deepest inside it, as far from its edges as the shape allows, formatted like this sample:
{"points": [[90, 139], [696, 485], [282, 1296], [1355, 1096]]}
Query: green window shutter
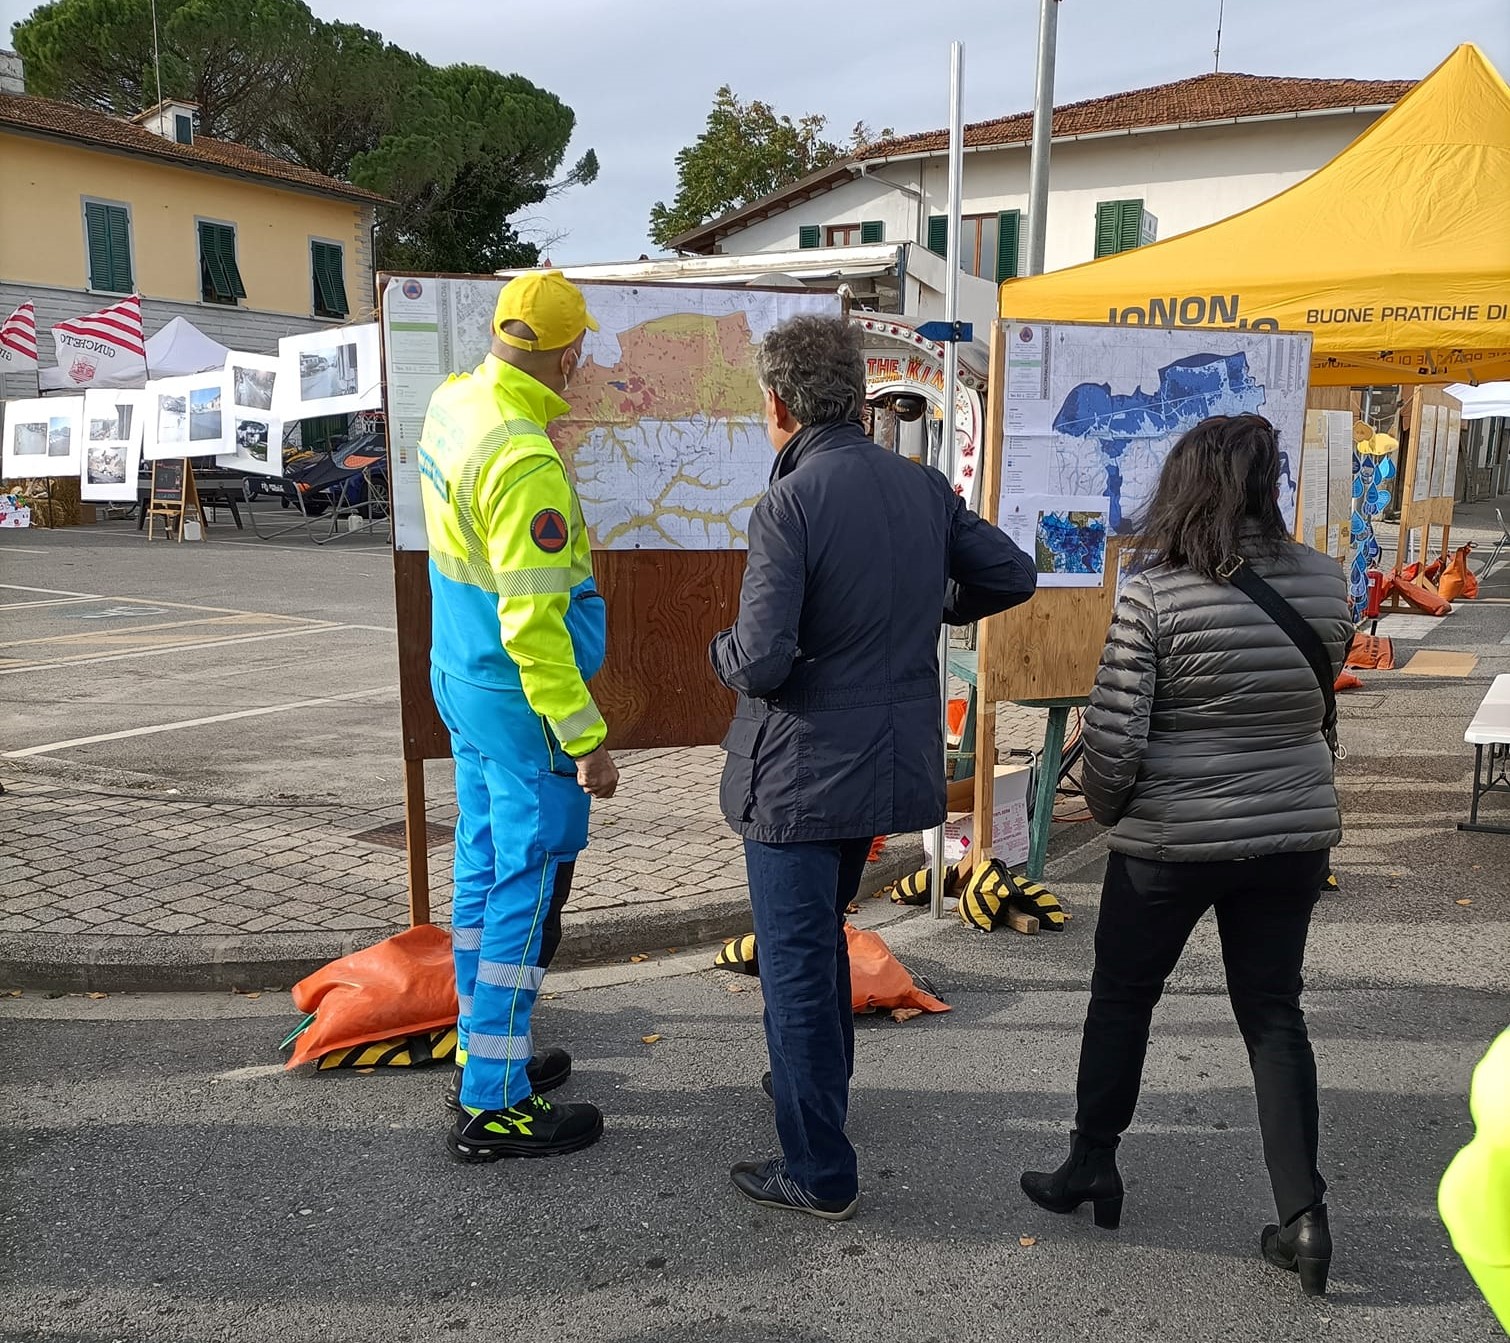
{"points": [[228, 256], [329, 282], [938, 234], [809, 235], [1119, 226], [214, 283], [97, 231], [1008, 226], [872, 230], [108, 230], [119, 225], [1108, 227], [220, 277]]}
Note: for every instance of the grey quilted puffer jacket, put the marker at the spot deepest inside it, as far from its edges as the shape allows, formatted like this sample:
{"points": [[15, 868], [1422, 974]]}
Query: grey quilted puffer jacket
{"points": [[1203, 737]]}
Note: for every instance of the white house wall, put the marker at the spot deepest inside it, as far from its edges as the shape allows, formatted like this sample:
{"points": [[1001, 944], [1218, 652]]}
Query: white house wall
{"points": [[1185, 178], [855, 202]]}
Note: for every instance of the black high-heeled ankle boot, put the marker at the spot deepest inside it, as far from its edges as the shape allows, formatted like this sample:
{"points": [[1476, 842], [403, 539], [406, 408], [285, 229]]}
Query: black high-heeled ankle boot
{"points": [[1304, 1247], [1089, 1175]]}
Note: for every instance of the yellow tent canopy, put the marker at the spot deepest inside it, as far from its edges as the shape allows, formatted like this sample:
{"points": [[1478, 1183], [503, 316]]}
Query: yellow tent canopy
{"points": [[1396, 254]]}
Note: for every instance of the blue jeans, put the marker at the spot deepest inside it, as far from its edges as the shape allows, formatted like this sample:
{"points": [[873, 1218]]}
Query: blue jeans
{"points": [[798, 893], [522, 820]]}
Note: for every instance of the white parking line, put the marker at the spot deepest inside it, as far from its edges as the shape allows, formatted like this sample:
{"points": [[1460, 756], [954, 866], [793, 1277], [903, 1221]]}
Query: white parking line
{"points": [[50, 592], [50, 601], [170, 648], [196, 722]]}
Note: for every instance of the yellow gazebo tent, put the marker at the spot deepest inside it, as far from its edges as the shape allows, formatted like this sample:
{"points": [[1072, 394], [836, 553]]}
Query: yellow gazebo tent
{"points": [[1396, 254]]}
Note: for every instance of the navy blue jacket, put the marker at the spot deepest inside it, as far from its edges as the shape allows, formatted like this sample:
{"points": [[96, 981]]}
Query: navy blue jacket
{"points": [[856, 558]]}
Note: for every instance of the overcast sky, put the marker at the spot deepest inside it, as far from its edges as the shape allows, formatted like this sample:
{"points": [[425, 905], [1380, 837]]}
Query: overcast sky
{"points": [[641, 76]]}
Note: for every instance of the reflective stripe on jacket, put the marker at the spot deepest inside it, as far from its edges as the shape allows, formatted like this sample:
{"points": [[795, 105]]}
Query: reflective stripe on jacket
{"points": [[512, 596]]}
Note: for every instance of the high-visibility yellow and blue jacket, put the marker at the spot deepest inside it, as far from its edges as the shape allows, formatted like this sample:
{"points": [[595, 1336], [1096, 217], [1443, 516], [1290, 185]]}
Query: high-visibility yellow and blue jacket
{"points": [[513, 602]]}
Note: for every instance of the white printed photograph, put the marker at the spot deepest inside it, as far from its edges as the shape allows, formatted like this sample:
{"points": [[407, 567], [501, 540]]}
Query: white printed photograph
{"points": [[44, 436], [113, 451], [333, 372]]}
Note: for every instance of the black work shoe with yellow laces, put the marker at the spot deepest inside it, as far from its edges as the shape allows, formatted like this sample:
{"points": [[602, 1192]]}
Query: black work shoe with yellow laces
{"points": [[534, 1127], [546, 1070]]}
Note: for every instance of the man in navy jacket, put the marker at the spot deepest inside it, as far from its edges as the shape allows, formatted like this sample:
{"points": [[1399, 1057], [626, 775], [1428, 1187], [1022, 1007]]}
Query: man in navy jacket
{"points": [[856, 558]]}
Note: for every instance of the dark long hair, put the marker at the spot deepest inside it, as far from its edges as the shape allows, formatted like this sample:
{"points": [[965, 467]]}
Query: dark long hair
{"points": [[1220, 482]]}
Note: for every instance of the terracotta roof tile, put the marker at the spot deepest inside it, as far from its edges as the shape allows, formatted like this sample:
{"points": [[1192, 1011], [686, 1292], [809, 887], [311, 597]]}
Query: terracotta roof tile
{"points": [[45, 116], [1214, 97]]}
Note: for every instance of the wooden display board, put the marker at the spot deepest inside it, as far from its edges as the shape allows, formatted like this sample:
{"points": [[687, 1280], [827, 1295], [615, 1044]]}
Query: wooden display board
{"points": [[657, 687], [1046, 651], [1429, 483], [174, 495]]}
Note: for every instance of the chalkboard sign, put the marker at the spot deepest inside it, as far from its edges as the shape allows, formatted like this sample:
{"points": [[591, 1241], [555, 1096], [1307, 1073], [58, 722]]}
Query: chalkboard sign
{"points": [[168, 482], [174, 497]]}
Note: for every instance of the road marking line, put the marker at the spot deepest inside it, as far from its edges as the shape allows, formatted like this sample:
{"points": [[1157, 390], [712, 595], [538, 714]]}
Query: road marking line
{"points": [[51, 601], [90, 661], [25, 550], [149, 601], [52, 592], [196, 722], [136, 631]]}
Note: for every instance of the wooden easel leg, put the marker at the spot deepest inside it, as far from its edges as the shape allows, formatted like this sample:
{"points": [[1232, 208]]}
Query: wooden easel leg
{"points": [[414, 842], [1048, 788]]}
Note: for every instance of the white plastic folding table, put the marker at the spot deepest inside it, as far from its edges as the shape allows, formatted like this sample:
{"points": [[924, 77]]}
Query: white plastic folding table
{"points": [[1489, 735]]}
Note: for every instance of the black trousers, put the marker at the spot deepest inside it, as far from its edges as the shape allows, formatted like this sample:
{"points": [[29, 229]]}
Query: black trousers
{"points": [[1263, 913]]}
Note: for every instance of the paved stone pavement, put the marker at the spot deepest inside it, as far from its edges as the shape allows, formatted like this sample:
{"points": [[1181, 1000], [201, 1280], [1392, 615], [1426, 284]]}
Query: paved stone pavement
{"points": [[90, 863]]}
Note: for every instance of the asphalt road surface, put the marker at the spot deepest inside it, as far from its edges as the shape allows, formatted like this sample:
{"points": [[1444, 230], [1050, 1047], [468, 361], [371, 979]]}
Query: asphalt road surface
{"points": [[166, 1181]]}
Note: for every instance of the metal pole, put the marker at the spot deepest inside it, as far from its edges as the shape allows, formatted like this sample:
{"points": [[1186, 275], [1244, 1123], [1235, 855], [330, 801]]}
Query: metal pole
{"points": [[1043, 131], [951, 390]]}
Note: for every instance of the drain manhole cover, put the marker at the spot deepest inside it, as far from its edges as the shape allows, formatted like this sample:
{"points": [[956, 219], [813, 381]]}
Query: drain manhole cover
{"points": [[391, 836]]}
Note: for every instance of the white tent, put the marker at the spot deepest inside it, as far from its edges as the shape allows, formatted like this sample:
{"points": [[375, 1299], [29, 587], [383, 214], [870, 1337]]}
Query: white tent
{"points": [[1483, 401], [181, 347]]}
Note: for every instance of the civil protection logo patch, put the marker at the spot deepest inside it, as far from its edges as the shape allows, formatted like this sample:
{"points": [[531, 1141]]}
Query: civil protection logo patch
{"points": [[548, 529]]}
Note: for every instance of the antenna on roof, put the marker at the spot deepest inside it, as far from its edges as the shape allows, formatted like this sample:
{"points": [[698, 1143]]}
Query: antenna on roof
{"points": [[157, 59], [1221, 5]]}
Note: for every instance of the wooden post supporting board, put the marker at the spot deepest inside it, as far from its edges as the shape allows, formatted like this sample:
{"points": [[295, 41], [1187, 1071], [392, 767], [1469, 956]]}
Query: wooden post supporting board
{"points": [[1428, 486], [174, 494]]}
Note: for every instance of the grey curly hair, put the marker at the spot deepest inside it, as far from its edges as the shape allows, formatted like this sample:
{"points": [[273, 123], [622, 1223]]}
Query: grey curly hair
{"points": [[816, 365]]}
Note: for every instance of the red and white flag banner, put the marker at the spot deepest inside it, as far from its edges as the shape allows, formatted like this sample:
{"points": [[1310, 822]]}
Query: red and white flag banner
{"points": [[100, 349], [18, 340]]}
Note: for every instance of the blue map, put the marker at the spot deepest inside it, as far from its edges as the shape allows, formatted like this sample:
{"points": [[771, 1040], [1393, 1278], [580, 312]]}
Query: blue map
{"points": [[1070, 542], [1132, 432]]}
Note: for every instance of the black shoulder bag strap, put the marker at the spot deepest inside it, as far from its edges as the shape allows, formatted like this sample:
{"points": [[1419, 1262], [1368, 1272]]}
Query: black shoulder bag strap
{"points": [[1240, 574]]}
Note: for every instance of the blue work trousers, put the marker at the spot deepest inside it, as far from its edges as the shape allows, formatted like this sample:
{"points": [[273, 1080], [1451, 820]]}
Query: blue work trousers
{"points": [[522, 822], [798, 894]]}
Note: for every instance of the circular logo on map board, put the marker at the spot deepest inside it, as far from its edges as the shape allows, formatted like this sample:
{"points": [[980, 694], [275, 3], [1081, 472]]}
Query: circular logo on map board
{"points": [[549, 531], [1025, 334], [412, 289]]}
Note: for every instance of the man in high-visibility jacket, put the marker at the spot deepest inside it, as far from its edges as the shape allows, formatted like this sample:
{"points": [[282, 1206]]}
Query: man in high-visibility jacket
{"points": [[517, 632]]}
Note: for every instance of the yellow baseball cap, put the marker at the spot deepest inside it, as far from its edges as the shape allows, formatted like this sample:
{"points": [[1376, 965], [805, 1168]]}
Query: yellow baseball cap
{"points": [[546, 302]]}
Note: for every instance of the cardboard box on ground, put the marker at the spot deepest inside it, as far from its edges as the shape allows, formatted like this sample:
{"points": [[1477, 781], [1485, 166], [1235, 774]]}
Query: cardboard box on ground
{"points": [[1009, 822]]}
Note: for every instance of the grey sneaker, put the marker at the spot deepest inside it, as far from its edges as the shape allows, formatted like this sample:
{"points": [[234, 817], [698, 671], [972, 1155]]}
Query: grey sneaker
{"points": [[767, 1183]]}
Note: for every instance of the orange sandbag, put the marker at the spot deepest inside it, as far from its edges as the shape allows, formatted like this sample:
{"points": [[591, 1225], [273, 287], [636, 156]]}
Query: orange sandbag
{"points": [[403, 986], [1369, 650], [878, 980], [1422, 598], [1458, 579], [1347, 681]]}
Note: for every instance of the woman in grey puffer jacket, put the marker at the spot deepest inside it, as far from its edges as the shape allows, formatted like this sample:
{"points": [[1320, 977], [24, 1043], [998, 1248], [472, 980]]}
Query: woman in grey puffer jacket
{"points": [[1204, 752]]}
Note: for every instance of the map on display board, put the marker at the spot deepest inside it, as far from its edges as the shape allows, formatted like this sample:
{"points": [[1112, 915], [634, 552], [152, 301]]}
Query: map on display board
{"points": [[666, 441], [1091, 413]]}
